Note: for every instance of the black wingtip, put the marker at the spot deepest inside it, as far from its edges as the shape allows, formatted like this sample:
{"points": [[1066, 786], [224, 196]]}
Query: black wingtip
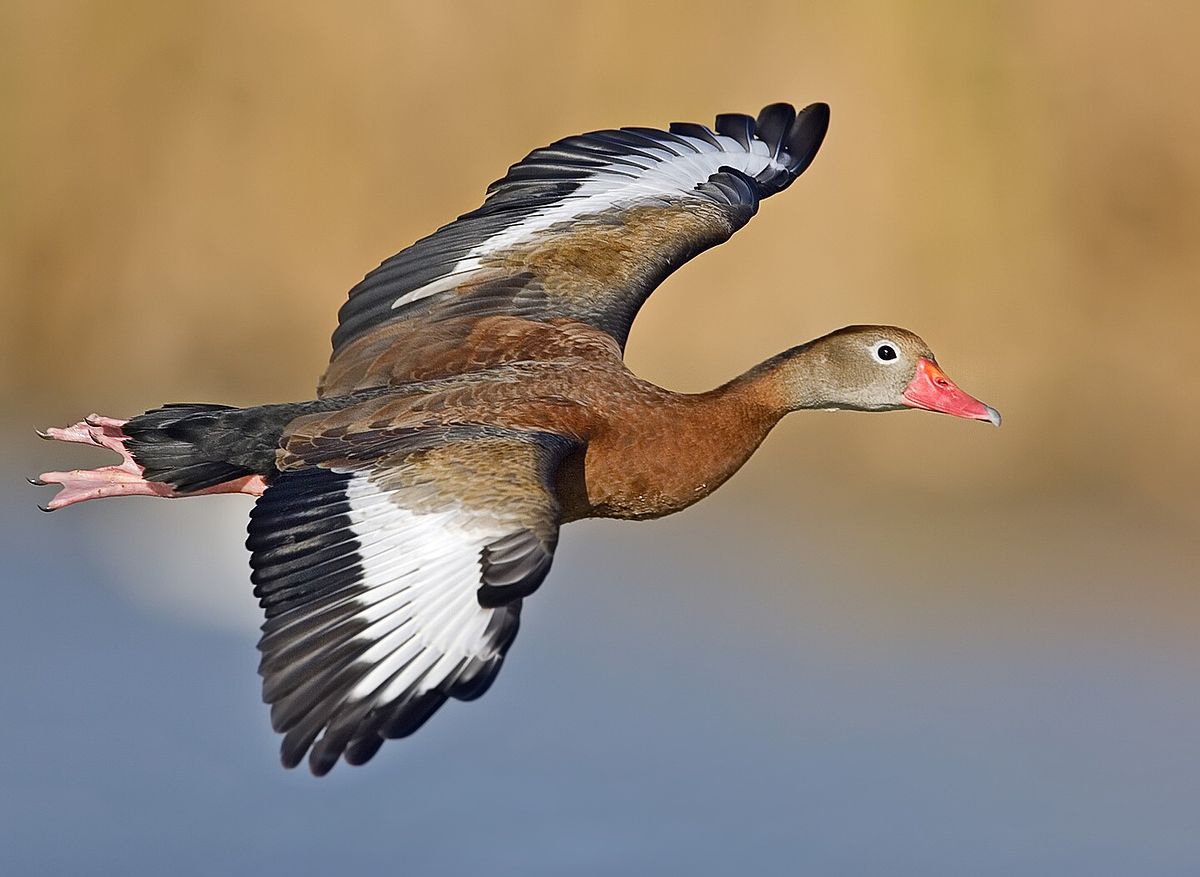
{"points": [[806, 134], [362, 749], [290, 756], [321, 765], [691, 129], [773, 124], [736, 125]]}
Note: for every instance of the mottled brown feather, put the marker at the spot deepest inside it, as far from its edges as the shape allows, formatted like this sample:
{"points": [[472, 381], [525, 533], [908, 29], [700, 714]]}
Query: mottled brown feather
{"points": [[592, 274], [647, 451]]}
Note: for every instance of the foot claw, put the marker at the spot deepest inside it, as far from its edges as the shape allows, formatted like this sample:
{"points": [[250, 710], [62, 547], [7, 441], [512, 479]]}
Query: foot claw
{"points": [[102, 432], [43, 435], [45, 508], [37, 482]]}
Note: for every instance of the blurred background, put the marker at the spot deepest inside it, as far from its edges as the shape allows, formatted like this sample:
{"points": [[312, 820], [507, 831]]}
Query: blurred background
{"points": [[902, 645]]}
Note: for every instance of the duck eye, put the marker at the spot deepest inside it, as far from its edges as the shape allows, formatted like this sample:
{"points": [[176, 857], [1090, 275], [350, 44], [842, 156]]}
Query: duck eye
{"points": [[884, 351]]}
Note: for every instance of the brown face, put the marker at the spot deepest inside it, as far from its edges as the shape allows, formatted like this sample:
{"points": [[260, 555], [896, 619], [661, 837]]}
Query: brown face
{"points": [[884, 368]]}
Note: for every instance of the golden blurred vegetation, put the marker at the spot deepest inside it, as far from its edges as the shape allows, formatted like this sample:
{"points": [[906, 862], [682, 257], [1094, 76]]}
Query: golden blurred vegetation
{"points": [[190, 189]]}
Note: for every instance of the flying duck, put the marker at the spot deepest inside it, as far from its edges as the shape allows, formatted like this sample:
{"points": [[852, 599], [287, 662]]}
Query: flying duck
{"points": [[475, 401]]}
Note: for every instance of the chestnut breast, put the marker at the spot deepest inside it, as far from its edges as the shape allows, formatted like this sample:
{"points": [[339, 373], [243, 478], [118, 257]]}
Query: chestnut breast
{"points": [[652, 452]]}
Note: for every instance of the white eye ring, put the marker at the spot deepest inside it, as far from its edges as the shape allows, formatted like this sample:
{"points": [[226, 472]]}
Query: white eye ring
{"points": [[881, 350]]}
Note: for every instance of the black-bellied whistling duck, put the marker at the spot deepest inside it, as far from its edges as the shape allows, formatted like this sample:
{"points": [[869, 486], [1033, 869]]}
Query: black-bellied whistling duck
{"points": [[475, 401]]}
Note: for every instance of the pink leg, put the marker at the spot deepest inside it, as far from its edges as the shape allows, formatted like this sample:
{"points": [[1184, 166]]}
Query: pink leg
{"points": [[124, 479]]}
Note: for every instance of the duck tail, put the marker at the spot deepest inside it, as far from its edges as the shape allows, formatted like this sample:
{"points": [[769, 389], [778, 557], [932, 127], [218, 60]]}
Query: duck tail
{"points": [[175, 445]]}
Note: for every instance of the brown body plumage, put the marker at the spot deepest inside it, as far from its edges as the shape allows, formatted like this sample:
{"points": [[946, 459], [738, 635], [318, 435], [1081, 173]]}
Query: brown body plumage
{"points": [[644, 451]]}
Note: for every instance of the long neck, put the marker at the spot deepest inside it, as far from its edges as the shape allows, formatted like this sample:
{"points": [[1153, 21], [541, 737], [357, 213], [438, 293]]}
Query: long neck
{"points": [[723, 427], [788, 381]]}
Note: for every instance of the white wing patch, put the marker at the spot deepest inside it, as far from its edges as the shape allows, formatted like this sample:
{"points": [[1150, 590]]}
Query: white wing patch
{"points": [[667, 176], [372, 587], [422, 573]]}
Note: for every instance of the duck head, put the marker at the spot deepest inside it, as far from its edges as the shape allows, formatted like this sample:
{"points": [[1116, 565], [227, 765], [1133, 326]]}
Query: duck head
{"points": [[877, 368]]}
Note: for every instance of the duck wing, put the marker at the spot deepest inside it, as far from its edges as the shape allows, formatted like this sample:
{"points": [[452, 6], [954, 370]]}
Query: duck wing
{"points": [[582, 230], [391, 567]]}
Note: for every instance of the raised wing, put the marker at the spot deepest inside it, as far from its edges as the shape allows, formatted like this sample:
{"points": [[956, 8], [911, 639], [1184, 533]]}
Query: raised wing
{"points": [[587, 227], [393, 583]]}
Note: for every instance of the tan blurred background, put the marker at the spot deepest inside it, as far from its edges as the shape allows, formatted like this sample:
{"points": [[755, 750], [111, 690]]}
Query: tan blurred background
{"points": [[189, 190]]}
